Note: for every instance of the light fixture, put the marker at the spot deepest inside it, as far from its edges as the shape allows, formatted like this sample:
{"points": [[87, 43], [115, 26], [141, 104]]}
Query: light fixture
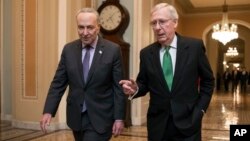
{"points": [[232, 51], [236, 65], [224, 33]]}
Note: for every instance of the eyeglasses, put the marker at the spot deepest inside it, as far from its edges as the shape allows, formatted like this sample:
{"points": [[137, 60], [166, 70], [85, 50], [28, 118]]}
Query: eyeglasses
{"points": [[161, 22]]}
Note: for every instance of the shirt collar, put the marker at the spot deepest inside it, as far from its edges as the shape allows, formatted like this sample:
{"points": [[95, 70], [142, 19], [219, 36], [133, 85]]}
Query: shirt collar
{"points": [[173, 44]]}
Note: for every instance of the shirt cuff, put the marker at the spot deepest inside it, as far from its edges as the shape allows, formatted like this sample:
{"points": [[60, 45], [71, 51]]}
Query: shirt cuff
{"points": [[203, 111], [132, 96], [119, 120]]}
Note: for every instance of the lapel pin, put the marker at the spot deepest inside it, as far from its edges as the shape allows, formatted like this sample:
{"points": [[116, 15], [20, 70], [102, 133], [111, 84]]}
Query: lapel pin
{"points": [[100, 51]]}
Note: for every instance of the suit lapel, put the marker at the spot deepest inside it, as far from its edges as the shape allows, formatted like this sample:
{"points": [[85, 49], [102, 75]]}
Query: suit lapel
{"points": [[78, 53], [181, 58], [157, 63], [96, 58]]}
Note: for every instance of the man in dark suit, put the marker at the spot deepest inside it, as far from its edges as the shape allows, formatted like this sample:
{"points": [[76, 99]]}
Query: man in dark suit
{"points": [[176, 105], [226, 78], [243, 80], [92, 68], [235, 77]]}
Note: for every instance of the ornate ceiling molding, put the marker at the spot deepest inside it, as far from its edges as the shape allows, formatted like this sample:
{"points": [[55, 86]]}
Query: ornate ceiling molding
{"points": [[188, 8]]}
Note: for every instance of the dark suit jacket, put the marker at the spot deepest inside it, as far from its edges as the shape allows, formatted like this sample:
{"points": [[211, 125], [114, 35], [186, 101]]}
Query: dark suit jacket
{"points": [[103, 95], [187, 99]]}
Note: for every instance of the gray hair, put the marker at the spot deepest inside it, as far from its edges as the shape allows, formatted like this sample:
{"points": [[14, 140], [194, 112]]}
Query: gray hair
{"points": [[89, 10], [171, 9]]}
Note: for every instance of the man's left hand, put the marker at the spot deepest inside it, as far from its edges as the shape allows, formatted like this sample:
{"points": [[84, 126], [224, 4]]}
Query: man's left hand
{"points": [[118, 127]]}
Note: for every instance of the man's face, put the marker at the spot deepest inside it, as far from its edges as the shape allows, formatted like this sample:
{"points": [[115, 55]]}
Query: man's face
{"points": [[163, 25], [88, 27]]}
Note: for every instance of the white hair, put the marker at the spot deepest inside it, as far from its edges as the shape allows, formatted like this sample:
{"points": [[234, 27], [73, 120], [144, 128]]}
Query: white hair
{"points": [[171, 9], [89, 10]]}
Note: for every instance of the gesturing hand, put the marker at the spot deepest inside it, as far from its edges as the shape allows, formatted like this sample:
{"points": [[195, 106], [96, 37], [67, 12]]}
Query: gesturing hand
{"points": [[129, 86]]}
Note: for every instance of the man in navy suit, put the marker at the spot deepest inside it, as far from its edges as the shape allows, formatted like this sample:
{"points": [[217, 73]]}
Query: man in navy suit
{"points": [[176, 107], [95, 101]]}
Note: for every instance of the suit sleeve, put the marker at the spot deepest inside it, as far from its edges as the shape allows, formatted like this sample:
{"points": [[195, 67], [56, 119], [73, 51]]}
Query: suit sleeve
{"points": [[57, 88], [142, 79], [119, 96], [206, 79]]}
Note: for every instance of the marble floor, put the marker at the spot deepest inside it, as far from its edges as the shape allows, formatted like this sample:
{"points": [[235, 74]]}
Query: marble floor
{"points": [[226, 108]]}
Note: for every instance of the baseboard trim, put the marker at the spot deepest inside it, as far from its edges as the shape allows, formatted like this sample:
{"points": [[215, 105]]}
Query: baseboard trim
{"points": [[36, 125]]}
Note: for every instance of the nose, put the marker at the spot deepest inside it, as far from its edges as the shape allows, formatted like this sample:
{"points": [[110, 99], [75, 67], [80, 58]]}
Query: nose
{"points": [[157, 26], [83, 31]]}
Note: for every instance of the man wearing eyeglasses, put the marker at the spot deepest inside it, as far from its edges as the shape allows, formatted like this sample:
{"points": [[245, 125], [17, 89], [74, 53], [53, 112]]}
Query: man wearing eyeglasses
{"points": [[176, 73]]}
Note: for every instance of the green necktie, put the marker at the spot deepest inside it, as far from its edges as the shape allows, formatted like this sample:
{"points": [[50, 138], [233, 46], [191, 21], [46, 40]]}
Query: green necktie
{"points": [[167, 67]]}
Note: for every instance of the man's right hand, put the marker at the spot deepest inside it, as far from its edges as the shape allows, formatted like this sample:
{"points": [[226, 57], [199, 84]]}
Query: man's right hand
{"points": [[129, 86], [45, 121]]}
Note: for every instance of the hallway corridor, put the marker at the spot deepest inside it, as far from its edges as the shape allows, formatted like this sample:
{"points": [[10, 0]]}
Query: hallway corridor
{"points": [[225, 109]]}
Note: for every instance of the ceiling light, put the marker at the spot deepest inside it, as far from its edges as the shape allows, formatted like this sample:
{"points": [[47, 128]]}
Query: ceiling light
{"points": [[223, 32], [232, 52]]}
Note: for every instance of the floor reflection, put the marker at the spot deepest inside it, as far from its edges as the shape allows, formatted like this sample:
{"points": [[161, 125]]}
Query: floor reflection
{"points": [[226, 108]]}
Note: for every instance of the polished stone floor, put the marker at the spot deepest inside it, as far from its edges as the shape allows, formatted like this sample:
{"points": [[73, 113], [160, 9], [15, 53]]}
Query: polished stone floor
{"points": [[226, 108]]}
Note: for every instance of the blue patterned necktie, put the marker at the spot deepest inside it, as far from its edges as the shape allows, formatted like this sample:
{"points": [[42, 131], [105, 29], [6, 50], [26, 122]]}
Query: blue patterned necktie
{"points": [[85, 64], [168, 68]]}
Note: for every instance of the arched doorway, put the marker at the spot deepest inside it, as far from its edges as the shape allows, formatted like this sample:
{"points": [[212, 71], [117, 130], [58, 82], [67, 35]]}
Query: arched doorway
{"points": [[216, 51]]}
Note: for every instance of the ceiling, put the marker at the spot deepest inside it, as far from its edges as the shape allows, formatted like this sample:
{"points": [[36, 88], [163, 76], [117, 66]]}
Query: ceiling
{"points": [[212, 6]]}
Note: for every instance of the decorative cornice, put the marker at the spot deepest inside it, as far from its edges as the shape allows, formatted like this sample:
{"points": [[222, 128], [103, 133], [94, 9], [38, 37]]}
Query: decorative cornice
{"points": [[36, 125], [188, 8]]}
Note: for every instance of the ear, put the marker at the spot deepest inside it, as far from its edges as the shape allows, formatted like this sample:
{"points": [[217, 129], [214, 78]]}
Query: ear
{"points": [[98, 27], [176, 23]]}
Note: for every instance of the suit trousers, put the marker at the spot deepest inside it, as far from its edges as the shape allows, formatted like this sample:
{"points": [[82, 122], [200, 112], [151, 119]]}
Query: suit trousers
{"points": [[88, 133], [172, 133]]}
